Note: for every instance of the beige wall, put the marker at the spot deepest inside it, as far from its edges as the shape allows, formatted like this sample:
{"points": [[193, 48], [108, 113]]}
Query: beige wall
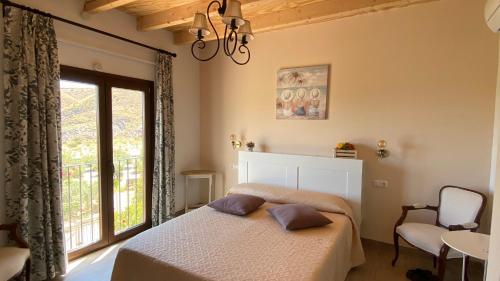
{"points": [[185, 70], [421, 77]]}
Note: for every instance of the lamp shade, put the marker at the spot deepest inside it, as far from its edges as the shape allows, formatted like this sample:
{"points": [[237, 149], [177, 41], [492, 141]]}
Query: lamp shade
{"points": [[246, 30], [199, 24], [233, 12]]}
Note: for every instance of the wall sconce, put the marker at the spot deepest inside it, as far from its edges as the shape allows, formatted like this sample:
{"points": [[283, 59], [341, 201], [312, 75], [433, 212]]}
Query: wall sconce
{"points": [[382, 152], [234, 141]]}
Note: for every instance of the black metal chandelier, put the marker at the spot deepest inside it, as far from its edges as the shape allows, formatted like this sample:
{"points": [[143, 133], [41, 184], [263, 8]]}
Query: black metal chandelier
{"points": [[237, 33]]}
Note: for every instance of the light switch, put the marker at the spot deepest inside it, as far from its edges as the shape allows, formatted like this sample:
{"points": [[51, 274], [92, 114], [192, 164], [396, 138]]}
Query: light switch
{"points": [[380, 183]]}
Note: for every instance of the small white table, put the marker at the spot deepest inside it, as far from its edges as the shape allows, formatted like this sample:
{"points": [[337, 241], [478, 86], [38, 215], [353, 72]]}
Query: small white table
{"points": [[197, 174], [470, 244]]}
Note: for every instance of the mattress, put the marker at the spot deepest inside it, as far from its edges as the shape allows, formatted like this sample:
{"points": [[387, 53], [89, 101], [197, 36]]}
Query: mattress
{"points": [[209, 245]]}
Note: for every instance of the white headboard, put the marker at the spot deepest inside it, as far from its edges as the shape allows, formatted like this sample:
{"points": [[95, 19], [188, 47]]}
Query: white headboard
{"points": [[341, 177]]}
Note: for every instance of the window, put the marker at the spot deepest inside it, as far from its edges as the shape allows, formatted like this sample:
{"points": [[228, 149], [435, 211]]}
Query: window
{"points": [[107, 157]]}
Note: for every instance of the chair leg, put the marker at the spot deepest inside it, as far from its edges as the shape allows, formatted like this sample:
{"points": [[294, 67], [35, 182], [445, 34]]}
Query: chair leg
{"points": [[434, 261], [466, 268], [443, 254], [28, 269], [396, 249]]}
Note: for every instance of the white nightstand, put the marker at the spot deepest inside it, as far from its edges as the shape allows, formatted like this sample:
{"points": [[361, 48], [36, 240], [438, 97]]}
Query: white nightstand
{"points": [[470, 244], [197, 174]]}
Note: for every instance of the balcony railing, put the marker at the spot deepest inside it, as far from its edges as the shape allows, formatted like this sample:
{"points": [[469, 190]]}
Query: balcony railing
{"points": [[82, 202], [128, 193]]}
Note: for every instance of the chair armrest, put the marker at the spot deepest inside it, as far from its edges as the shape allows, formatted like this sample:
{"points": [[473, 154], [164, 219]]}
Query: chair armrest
{"points": [[472, 226], [419, 206], [413, 207], [14, 234]]}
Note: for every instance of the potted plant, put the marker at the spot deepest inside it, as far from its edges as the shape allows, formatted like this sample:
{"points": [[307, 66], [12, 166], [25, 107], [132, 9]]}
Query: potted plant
{"points": [[250, 146]]}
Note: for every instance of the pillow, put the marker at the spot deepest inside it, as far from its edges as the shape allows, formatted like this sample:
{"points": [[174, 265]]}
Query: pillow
{"points": [[275, 194], [237, 204], [298, 216]]}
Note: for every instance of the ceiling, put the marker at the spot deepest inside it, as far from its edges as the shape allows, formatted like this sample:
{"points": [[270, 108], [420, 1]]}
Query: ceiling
{"points": [[265, 15]]}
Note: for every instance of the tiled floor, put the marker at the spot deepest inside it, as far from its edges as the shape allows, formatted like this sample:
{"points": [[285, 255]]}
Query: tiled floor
{"points": [[98, 266], [94, 267], [378, 265]]}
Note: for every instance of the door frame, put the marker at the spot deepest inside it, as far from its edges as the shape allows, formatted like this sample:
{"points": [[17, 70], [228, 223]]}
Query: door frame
{"points": [[104, 82]]}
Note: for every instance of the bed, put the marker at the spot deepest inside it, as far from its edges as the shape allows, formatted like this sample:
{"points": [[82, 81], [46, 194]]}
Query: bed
{"points": [[209, 245]]}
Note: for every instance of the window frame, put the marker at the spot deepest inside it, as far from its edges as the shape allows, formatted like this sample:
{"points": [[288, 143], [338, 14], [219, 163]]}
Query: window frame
{"points": [[105, 82]]}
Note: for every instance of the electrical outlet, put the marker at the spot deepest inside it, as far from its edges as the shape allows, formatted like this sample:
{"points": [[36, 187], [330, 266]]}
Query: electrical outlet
{"points": [[380, 184]]}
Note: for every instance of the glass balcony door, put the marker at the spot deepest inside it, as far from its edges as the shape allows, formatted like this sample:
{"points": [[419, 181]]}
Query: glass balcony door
{"points": [[130, 134], [81, 177], [107, 164]]}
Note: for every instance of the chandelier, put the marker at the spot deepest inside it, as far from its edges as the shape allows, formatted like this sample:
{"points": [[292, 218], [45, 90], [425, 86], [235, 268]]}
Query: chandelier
{"points": [[237, 33]]}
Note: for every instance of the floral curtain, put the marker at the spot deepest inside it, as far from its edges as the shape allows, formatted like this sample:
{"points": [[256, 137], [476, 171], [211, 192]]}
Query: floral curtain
{"points": [[33, 138], [164, 152]]}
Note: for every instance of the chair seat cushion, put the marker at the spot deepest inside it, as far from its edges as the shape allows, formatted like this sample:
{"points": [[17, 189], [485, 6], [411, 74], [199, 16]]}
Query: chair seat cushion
{"points": [[12, 261], [426, 237]]}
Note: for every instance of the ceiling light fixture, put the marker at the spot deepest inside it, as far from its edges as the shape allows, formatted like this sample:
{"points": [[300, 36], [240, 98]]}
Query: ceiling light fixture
{"points": [[237, 33]]}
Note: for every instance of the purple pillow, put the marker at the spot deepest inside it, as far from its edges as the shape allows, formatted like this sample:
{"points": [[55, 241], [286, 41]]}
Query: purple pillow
{"points": [[237, 204], [298, 216]]}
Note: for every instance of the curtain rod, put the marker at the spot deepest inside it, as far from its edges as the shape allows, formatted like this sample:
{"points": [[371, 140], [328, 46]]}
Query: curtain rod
{"points": [[35, 11]]}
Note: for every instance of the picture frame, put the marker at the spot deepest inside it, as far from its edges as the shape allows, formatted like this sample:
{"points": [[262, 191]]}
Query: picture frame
{"points": [[302, 93]]}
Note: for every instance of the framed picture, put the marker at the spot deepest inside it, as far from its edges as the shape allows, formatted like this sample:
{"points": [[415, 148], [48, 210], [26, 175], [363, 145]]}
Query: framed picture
{"points": [[302, 93]]}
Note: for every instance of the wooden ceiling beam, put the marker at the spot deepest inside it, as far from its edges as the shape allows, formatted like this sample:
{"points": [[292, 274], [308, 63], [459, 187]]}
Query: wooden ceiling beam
{"points": [[96, 6], [311, 13], [178, 15]]}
